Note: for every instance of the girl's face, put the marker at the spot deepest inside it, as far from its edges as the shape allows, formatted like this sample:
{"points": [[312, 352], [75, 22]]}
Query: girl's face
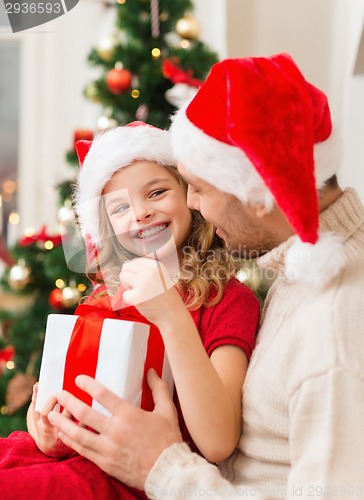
{"points": [[146, 206]]}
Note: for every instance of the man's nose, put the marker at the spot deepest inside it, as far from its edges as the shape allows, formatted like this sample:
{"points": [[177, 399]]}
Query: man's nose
{"points": [[193, 200]]}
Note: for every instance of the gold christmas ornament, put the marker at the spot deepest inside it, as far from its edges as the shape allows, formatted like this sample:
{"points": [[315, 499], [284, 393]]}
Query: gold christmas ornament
{"points": [[156, 53], [91, 92], [135, 93], [19, 275], [144, 17], [70, 296], [106, 47], [188, 27], [48, 245], [250, 274]]}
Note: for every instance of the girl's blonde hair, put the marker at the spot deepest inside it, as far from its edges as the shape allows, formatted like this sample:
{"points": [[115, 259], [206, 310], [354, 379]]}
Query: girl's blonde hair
{"points": [[205, 263]]}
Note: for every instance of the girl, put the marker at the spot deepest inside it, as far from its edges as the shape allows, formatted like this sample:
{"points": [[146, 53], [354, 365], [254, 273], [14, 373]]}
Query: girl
{"points": [[132, 203]]}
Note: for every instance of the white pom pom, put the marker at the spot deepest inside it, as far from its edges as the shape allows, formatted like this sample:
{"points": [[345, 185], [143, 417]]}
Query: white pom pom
{"points": [[315, 264]]}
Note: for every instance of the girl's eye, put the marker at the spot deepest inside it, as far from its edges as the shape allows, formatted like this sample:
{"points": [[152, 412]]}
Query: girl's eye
{"points": [[121, 209], [157, 193]]}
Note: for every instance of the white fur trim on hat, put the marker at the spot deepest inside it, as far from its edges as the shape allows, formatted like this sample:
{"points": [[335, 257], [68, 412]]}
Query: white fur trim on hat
{"points": [[110, 151], [315, 264], [222, 165], [228, 168]]}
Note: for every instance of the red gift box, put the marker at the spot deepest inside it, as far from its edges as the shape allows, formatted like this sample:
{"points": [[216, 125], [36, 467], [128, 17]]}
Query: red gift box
{"points": [[97, 342]]}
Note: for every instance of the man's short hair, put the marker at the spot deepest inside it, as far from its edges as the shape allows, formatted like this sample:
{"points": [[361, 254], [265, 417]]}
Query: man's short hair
{"points": [[332, 183]]}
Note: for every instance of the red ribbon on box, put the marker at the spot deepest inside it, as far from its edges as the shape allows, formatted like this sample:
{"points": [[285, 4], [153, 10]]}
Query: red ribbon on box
{"points": [[40, 237], [82, 354]]}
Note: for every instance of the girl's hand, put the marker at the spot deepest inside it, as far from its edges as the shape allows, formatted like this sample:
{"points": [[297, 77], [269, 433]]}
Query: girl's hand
{"points": [[42, 431], [150, 288]]}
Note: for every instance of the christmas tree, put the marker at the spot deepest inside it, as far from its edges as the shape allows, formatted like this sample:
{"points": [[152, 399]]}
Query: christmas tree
{"points": [[149, 65]]}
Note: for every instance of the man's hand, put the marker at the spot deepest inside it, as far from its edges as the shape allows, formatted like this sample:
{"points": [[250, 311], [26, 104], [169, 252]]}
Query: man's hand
{"points": [[127, 444]]}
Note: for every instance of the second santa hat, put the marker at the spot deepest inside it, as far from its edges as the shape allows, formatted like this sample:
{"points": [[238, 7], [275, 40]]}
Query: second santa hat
{"points": [[105, 155]]}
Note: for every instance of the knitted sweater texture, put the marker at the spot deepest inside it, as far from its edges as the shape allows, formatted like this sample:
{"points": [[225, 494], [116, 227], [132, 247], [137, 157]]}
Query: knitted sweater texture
{"points": [[303, 397]]}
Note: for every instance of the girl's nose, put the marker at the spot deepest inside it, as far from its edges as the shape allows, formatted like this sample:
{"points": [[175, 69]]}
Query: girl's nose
{"points": [[142, 212]]}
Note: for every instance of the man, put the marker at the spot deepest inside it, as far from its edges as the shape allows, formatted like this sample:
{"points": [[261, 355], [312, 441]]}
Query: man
{"points": [[257, 148]]}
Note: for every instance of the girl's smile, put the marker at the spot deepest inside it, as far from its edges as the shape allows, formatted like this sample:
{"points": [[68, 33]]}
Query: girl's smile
{"points": [[153, 237], [150, 230]]}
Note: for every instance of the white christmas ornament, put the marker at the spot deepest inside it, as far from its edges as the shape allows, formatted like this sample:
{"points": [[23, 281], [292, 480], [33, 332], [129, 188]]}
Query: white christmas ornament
{"points": [[106, 123], [180, 94], [66, 213], [173, 39]]}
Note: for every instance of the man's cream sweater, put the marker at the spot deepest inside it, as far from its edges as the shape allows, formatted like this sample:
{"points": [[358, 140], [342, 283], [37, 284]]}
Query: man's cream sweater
{"points": [[303, 397]]}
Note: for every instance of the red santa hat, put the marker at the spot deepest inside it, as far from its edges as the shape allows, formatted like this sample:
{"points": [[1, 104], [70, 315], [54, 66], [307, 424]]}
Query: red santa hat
{"points": [[258, 130], [106, 154]]}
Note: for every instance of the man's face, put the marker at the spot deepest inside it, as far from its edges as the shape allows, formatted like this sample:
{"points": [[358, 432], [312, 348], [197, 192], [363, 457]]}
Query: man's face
{"points": [[236, 223]]}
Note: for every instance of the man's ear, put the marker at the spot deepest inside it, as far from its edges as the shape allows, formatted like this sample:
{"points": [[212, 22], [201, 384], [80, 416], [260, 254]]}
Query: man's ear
{"points": [[261, 210]]}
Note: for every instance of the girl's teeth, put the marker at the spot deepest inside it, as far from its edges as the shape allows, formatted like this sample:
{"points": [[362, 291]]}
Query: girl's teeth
{"points": [[151, 231]]}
